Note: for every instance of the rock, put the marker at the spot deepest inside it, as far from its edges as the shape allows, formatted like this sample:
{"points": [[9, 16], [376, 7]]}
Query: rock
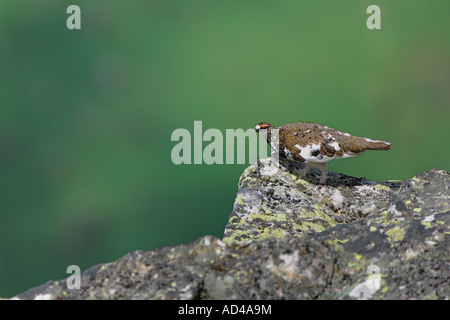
{"points": [[272, 202], [289, 238]]}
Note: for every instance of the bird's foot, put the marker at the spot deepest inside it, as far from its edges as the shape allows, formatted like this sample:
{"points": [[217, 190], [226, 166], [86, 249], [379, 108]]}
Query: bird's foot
{"points": [[323, 177]]}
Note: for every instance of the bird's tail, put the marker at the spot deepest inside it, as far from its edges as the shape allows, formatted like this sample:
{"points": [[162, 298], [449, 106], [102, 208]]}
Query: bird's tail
{"points": [[377, 144]]}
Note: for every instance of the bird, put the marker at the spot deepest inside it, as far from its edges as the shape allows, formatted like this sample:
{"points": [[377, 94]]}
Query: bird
{"points": [[314, 144]]}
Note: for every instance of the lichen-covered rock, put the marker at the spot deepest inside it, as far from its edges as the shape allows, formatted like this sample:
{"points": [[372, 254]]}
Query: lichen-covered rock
{"points": [[289, 238], [368, 265], [273, 202]]}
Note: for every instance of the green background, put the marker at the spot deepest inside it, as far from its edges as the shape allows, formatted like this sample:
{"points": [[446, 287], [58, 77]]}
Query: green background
{"points": [[86, 116]]}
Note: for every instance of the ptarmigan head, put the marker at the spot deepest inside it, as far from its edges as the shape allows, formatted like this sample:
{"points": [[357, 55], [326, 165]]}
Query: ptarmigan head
{"points": [[270, 133], [264, 129]]}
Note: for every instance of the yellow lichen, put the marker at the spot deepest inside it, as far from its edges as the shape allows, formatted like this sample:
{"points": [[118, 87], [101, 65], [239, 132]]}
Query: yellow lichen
{"points": [[370, 245], [269, 216], [382, 187], [239, 200], [395, 234], [359, 263], [336, 241], [426, 224]]}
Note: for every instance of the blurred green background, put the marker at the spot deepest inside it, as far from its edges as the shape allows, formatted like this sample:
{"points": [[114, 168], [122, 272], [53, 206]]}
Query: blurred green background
{"points": [[86, 116]]}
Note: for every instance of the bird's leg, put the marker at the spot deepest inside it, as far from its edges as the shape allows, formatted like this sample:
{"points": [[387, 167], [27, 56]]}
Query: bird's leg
{"points": [[305, 170], [323, 167]]}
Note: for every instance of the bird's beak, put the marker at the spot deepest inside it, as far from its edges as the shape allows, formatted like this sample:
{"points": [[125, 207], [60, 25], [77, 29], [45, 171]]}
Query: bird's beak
{"points": [[257, 128]]}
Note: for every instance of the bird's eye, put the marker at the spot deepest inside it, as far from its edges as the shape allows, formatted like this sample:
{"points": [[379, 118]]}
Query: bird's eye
{"points": [[264, 126]]}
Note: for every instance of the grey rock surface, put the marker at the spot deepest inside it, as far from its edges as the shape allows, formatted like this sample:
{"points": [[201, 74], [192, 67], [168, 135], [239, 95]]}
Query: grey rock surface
{"points": [[273, 202], [289, 238]]}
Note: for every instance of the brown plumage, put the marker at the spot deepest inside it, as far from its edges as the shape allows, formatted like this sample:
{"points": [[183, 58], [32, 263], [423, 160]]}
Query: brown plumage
{"points": [[316, 144]]}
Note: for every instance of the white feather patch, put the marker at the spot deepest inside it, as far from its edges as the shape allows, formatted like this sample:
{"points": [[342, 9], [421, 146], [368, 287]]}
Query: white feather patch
{"points": [[376, 141], [306, 151]]}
